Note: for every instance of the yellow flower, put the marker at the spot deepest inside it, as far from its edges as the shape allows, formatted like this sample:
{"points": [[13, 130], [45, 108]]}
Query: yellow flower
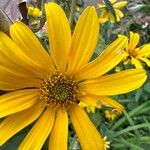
{"points": [[45, 89], [30, 10], [34, 22], [135, 53], [106, 15], [34, 12], [89, 108], [117, 69], [111, 115], [106, 143]]}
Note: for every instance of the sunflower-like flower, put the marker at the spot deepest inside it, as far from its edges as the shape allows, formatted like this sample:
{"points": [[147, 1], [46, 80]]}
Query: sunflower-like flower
{"points": [[45, 88], [111, 115], [136, 54], [106, 15], [34, 12], [34, 15]]}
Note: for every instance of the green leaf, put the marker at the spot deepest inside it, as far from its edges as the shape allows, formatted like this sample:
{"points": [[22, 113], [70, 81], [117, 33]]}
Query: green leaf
{"points": [[125, 143], [131, 128], [138, 94], [131, 122], [147, 87]]}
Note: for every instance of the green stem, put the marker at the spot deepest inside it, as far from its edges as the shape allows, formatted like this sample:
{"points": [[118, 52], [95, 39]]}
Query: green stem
{"points": [[72, 11]]}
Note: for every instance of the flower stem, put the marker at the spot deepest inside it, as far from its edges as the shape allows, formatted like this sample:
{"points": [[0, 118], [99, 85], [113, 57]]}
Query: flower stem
{"points": [[72, 11]]}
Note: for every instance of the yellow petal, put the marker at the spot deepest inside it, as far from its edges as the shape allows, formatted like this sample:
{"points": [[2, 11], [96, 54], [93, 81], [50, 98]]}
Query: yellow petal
{"points": [[109, 102], [59, 135], [59, 34], [144, 51], [11, 52], [111, 17], [117, 83], [84, 40], [110, 57], [118, 18], [17, 101], [101, 6], [119, 13], [14, 79], [89, 108], [134, 40], [98, 101], [136, 63], [39, 132], [30, 45], [120, 4], [147, 61], [102, 20], [9, 68], [88, 135], [112, 1], [16, 122], [103, 16], [91, 100]]}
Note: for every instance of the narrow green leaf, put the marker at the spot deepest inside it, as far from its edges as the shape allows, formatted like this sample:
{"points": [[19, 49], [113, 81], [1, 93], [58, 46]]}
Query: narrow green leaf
{"points": [[131, 123], [131, 128], [147, 87], [138, 94], [126, 144]]}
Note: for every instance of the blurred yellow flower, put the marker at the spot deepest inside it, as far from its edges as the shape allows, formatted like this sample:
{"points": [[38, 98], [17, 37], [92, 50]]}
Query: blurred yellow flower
{"points": [[136, 54], [106, 15], [45, 88], [34, 22], [111, 115], [88, 108], [117, 69], [30, 10], [106, 143], [34, 12]]}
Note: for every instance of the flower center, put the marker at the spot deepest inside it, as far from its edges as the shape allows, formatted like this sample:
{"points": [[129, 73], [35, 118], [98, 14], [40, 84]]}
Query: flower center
{"points": [[59, 89]]}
